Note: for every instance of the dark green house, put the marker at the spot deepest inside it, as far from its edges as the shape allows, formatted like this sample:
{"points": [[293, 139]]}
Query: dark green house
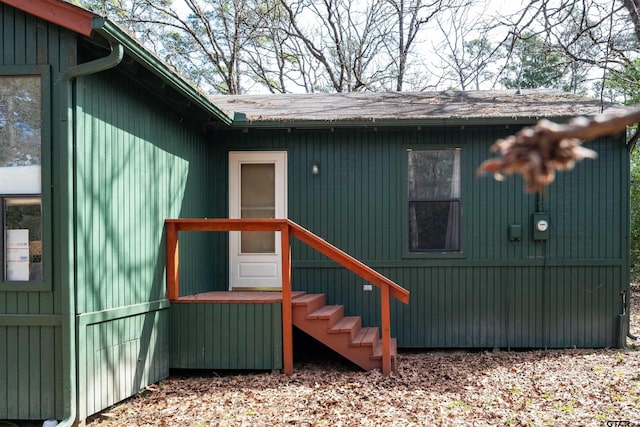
{"points": [[107, 156]]}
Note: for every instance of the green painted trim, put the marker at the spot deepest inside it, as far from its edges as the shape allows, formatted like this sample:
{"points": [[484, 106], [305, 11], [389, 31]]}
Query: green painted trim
{"points": [[427, 255], [466, 263], [30, 320], [86, 319], [26, 286], [145, 58], [12, 70], [584, 262]]}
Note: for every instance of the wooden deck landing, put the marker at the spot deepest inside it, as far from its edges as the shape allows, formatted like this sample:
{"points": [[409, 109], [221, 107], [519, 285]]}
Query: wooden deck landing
{"points": [[230, 297]]}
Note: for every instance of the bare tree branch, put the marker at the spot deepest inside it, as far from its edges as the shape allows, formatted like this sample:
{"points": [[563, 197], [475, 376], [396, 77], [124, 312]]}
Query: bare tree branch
{"points": [[409, 17], [633, 6], [465, 51], [579, 31]]}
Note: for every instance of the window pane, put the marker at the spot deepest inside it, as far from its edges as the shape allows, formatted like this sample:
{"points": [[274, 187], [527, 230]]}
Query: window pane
{"points": [[257, 186], [434, 174], [258, 242], [258, 200], [434, 226], [20, 135], [434, 200], [23, 238]]}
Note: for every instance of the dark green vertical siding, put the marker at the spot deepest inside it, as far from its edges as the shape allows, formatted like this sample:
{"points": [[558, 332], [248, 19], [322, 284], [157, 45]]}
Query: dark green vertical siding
{"points": [[127, 184], [138, 162], [121, 355], [586, 208], [496, 293], [31, 343], [226, 336], [30, 371]]}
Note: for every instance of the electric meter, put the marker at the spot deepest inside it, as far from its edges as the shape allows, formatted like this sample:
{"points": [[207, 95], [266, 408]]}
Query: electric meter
{"points": [[542, 225], [540, 222]]}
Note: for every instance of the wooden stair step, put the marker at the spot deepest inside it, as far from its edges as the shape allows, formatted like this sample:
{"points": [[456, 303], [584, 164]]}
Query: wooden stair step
{"points": [[332, 313], [350, 324], [312, 301], [377, 353], [366, 337], [305, 298]]}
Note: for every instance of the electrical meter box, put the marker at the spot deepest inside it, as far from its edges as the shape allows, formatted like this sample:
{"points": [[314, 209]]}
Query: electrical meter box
{"points": [[540, 222], [515, 232]]}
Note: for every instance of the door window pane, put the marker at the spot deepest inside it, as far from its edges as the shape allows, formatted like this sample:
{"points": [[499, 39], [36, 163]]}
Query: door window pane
{"points": [[257, 200]]}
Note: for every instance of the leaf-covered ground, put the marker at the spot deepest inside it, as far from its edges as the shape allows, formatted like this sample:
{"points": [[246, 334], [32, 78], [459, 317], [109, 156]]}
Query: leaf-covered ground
{"points": [[453, 388]]}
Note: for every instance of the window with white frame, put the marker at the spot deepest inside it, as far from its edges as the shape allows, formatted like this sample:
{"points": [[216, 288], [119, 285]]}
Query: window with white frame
{"points": [[21, 178], [434, 200]]}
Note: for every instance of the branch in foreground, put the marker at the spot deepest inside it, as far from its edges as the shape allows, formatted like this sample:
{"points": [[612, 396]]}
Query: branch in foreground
{"points": [[537, 152]]}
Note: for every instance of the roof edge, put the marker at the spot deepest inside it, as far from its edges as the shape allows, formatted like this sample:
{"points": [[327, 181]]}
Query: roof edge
{"points": [[58, 12], [132, 47], [389, 123]]}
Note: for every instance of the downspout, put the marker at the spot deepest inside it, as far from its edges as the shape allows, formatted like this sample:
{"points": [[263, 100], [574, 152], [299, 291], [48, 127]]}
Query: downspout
{"points": [[623, 321], [67, 229]]}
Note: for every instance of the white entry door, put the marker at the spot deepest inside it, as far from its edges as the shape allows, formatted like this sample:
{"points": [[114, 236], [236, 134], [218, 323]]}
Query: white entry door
{"points": [[257, 189]]}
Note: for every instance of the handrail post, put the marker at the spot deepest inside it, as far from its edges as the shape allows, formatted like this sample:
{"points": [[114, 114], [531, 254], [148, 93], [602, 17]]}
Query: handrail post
{"points": [[386, 330], [172, 261], [287, 316]]}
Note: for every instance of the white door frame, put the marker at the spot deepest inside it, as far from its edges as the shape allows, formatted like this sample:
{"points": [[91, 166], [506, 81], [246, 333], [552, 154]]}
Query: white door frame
{"points": [[251, 271]]}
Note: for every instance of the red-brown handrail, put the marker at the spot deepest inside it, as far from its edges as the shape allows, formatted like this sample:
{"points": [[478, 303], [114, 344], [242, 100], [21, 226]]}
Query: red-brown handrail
{"points": [[287, 228]]}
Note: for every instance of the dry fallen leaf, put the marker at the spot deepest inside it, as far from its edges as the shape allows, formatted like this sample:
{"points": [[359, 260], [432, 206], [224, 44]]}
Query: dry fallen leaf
{"points": [[479, 388], [538, 152], [535, 153]]}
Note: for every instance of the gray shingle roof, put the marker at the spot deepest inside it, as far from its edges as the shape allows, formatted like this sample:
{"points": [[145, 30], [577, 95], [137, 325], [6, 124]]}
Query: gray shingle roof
{"points": [[385, 108]]}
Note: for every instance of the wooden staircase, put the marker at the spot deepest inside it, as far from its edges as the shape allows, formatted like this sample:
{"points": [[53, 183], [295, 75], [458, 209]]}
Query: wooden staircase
{"points": [[343, 334]]}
